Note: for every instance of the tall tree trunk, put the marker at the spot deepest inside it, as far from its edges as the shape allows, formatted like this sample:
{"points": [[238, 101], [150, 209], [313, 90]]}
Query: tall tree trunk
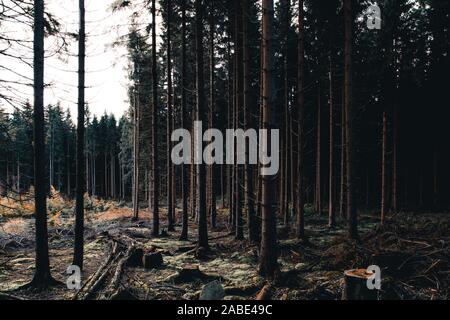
{"points": [[105, 175], [193, 191], [230, 125], [331, 213], [294, 163], [248, 109], [223, 186], [286, 7], [233, 115], [268, 254], [155, 175], [124, 192], [146, 188], [170, 186], [113, 175], [260, 120], [94, 171], [174, 185], [42, 277], [7, 175], [184, 177], [212, 106], [318, 197], [18, 175], [69, 190], [52, 145], [287, 183], [136, 150], [301, 122], [233, 166], [239, 75], [350, 118], [394, 161], [384, 169], [343, 182], [79, 207], [200, 116], [86, 160]]}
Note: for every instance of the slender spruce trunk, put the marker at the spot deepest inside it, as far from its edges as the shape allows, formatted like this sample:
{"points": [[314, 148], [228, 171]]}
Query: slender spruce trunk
{"points": [[395, 163], [155, 175], [212, 106], [350, 118], [301, 122], [42, 277], [248, 109], [318, 197], [200, 116], [268, 265], [170, 185], [79, 206], [343, 183], [331, 213], [286, 6], [384, 169], [239, 104], [184, 177], [136, 150]]}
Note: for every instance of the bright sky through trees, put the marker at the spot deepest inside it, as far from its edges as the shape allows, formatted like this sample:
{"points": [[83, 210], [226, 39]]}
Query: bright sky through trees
{"points": [[106, 75]]}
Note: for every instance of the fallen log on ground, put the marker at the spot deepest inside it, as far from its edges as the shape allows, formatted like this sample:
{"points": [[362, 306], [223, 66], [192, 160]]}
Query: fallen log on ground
{"points": [[9, 297], [153, 260], [104, 284]]}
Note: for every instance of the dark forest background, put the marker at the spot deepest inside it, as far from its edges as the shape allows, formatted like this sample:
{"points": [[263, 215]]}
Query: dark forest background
{"points": [[400, 69]]}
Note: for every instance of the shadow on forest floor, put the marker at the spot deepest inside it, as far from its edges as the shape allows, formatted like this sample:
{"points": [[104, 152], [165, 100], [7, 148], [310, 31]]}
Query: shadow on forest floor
{"points": [[412, 251]]}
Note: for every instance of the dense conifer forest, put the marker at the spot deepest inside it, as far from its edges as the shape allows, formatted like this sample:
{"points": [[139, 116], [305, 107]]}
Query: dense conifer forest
{"points": [[93, 205]]}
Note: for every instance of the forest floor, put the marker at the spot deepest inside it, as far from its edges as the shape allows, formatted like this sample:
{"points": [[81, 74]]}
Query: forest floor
{"points": [[412, 250]]}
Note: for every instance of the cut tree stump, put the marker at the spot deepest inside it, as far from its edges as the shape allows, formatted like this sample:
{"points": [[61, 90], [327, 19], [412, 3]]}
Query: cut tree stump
{"points": [[190, 273], [355, 286], [135, 259], [153, 260]]}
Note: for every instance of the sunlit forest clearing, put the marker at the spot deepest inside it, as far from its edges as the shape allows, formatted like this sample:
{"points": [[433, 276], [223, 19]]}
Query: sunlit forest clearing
{"points": [[94, 205]]}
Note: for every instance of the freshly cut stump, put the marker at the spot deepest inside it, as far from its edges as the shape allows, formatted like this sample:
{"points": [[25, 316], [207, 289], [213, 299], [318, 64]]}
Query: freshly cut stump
{"points": [[355, 286], [153, 260], [190, 273], [136, 258]]}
